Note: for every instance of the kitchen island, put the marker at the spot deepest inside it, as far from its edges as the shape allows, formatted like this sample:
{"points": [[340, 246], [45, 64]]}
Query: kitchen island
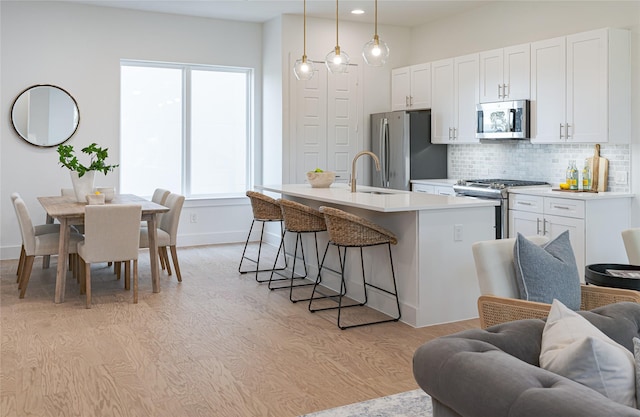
{"points": [[433, 261]]}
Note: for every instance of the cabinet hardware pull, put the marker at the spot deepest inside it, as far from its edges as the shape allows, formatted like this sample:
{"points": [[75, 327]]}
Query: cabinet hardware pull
{"points": [[410, 101], [561, 126], [499, 93], [506, 90], [561, 207], [537, 226], [524, 203], [566, 130], [455, 133], [449, 133], [406, 101], [544, 227]]}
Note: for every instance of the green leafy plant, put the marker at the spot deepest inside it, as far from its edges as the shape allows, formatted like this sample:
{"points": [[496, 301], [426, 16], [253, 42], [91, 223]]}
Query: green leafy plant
{"points": [[97, 156]]}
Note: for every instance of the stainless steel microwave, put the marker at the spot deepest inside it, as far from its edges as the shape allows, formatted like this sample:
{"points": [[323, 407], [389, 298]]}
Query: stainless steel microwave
{"points": [[503, 120]]}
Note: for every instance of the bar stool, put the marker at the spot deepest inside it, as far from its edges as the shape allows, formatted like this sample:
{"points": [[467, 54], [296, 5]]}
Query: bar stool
{"points": [[299, 219], [265, 209], [350, 231]]}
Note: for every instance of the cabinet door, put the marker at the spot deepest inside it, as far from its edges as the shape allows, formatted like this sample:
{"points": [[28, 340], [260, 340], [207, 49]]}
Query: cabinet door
{"points": [[423, 188], [443, 190], [554, 225], [420, 97], [491, 75], [517, 72], [442, 101], [466, 81], [524, 222], [587, 100], [400, 88], [548, 86]]}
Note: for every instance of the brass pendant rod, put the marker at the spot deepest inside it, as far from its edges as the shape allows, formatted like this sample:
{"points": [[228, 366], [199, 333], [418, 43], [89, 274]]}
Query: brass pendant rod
{"points": [[337, 43], [376, 19], [304, 30]]}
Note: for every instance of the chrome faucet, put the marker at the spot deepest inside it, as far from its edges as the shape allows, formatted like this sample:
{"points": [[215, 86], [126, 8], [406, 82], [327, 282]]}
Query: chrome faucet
{"points": [[353, 167]]}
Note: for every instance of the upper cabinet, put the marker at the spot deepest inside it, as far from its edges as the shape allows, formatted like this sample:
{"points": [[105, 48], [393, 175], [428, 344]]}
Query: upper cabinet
{"points": [[455, 86], [505, 74], [580, 88], [411, 87]]}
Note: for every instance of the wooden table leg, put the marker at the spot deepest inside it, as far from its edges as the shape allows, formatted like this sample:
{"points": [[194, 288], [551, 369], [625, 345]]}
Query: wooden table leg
{"points": [[46, 260], [63, 254], [153, 252]]}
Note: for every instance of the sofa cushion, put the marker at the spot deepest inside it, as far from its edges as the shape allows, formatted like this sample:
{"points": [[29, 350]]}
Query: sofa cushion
{"points": [[576, 349], [547, 272]]}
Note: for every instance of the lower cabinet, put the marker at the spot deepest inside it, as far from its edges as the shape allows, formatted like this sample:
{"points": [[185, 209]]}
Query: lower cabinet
{"points": [[594, 225], [433, 189]]}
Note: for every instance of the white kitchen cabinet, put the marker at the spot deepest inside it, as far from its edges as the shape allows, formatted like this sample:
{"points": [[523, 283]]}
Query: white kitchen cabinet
{"points": [[433, 189], [580, 88], [594, 224], [411, 87], [454, 95], [505, 74]]}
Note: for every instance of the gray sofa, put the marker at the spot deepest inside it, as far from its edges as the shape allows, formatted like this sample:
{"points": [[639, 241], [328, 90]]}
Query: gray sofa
{"points": [[495, 372]]}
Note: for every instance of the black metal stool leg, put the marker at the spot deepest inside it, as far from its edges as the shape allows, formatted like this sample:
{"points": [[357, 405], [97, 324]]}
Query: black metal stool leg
{"points": [[257, 261]]}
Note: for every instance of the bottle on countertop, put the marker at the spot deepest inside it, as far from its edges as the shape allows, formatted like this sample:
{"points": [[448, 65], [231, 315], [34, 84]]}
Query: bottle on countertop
{"points": [[586, 176], [572, 175]]}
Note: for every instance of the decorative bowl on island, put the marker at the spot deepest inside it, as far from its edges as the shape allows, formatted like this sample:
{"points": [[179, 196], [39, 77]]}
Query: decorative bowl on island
{"points": [[321, 179]]}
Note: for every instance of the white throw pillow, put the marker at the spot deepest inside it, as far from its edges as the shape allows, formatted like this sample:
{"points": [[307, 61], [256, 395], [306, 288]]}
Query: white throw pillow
{"points": [[576, 349]]}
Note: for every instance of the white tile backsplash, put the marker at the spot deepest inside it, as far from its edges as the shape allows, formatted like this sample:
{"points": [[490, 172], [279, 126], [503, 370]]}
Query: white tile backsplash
{"points": [[526, 161]]}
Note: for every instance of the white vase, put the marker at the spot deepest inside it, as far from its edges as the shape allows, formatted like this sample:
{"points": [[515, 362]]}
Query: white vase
{"points": [[82, 185]]}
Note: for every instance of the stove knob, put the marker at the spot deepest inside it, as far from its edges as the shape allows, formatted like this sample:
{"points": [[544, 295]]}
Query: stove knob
{"points": [[461, 182]]}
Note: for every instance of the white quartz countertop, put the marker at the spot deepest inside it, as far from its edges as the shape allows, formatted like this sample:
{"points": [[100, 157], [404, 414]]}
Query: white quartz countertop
{"points": [[391, 201], [549, 192]]}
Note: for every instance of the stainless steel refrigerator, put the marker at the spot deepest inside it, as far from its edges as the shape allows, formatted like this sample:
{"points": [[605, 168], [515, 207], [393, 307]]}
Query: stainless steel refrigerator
{"points": [[402, 141]]}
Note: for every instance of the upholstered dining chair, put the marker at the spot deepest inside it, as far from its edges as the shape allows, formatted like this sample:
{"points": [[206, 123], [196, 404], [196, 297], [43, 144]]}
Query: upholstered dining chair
{"points": [[111, 234], [167, 231], [499, 301], [631, 238], [39, 229], [35, 242]]}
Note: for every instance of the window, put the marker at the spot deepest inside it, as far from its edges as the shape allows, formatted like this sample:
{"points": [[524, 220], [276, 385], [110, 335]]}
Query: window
{"points": [[186, 128]]}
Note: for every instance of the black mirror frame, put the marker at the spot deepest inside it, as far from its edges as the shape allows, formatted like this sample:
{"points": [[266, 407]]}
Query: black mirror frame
{"points": [[26, 139]]}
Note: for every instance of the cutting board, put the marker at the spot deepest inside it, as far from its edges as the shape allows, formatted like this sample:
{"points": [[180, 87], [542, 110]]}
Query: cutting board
{"points": [[599, 170]]}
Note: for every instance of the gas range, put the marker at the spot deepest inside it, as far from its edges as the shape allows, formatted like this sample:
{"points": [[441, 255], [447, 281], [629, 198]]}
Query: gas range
{"points": [[492, 188]]}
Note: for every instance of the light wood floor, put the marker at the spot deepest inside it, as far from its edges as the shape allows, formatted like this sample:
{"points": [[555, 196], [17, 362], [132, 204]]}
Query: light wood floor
{"points": [[217, 344]]}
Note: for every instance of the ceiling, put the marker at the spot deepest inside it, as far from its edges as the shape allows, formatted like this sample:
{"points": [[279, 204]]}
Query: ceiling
{"points": [[406, 13]]}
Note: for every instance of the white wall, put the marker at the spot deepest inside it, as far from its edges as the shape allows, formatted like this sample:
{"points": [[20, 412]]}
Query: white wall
{"points": [[505, 23], [79, 47]]}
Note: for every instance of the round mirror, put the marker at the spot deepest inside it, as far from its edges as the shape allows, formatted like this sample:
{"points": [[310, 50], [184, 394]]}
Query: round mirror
{"points": [[45, 115]]}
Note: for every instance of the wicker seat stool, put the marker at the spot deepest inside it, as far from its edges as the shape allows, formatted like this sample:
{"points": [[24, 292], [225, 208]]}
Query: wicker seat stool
{"points": [[265, 209], [350, 231], [299, 219]]}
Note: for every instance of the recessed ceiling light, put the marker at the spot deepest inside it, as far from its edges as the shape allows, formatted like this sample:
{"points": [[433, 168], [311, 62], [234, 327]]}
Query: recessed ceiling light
{"points": [[357, 11]]}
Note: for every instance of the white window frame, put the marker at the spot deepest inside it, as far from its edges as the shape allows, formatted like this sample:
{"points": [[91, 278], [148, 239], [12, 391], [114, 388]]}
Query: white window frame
{"points": [[186, 70]]}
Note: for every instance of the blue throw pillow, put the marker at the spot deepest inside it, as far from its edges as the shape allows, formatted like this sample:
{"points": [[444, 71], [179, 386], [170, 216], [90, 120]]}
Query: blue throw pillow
{"points": [[548, 271]]}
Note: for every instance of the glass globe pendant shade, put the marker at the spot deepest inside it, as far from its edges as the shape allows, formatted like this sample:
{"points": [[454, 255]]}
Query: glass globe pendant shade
{"points": [[375, 52], [337, 62], [303, 69]]}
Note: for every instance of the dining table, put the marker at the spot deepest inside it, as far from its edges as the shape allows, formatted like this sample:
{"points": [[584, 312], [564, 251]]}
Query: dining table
{"points": [[68, 211]]}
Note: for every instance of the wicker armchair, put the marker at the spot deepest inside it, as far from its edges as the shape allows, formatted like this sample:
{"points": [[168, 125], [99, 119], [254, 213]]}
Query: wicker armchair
{"points": [[499, 301]]}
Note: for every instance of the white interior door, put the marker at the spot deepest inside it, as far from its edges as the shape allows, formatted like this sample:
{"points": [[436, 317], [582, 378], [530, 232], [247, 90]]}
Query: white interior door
{"points": [[310, 112], [328, 124], [343, 120]]}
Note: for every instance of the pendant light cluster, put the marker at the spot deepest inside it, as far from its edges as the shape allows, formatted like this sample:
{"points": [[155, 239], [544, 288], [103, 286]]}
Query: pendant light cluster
{"points": [[375, 52]]}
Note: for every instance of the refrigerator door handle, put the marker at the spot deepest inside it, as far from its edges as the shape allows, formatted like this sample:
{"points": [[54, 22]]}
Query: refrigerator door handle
{"points": [[385, 155]]}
